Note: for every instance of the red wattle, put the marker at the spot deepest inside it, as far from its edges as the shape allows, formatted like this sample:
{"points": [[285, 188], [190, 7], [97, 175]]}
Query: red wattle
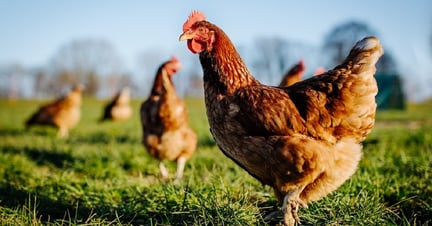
{"points": [[195, 47]]}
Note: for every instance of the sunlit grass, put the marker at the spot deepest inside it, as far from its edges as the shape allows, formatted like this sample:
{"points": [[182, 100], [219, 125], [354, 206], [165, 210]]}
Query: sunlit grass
{"points": [[102, 175]]}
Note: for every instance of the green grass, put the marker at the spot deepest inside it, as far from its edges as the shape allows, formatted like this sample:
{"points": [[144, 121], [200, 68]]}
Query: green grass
{"points": [[102, 175]]}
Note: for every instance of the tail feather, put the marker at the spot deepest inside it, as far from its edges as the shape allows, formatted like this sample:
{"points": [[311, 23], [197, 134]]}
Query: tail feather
{"points": [[359, 90], [365, 54], [39, 118], [29, 122]]}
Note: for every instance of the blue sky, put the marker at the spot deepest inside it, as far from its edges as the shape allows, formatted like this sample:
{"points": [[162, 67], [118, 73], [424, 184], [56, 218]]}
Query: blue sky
{"points": [[32, 31]]}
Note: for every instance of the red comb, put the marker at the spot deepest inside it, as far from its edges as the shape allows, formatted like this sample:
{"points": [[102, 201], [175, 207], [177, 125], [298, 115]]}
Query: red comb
{"points": [[194, 17], [302, 62]]}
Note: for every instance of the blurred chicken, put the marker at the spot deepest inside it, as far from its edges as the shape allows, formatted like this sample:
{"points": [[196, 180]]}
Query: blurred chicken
{"points": [[319, 70], [118, 109], [293, 75], [64, 113], [302, 140], [164, 118]]}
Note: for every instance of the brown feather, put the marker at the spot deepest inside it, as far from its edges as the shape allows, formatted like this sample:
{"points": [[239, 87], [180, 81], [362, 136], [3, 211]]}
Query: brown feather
{"points": [[63, 113], [302, 140], [118, 109], [293, 75], [164, 118]]}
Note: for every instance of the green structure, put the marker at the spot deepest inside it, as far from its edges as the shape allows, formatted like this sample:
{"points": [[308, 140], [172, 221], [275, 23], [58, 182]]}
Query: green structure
{"points": [[390, 93]]}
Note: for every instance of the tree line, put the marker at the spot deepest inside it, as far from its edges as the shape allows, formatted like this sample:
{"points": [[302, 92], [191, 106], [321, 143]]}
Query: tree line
{"points": [[96, 63]]}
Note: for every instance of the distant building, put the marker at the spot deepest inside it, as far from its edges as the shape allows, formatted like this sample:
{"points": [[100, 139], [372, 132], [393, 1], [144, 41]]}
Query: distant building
{"points": [[390, 92]]}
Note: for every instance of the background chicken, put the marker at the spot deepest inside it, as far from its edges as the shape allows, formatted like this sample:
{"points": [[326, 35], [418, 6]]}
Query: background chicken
{"points": [[164, 118], [319, 70], [302, 140], [293, 75], [64, 113], [118, 108]]}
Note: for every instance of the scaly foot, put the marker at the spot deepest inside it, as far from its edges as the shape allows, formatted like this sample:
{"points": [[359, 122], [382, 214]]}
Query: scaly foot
{"points": [[290, 209]]}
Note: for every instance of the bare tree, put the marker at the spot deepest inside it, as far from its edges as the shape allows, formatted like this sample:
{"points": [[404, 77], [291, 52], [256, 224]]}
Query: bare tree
{"points": [[271, 59], [430, 39], [83, 61], [59, 82], [274, 56], [11, 76], [114, 83], [341, 39], [148, 62], [40, 79]]}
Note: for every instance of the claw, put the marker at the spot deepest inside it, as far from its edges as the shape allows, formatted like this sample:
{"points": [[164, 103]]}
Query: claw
{"points": [[302, 204], [290, 209]]}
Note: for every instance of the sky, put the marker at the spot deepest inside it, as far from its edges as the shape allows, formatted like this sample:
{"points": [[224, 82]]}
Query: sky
{"points": [[32, 31]]}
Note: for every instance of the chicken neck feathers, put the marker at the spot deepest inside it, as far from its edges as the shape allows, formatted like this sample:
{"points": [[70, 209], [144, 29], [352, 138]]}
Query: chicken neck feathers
{"points": [[163, 110]]}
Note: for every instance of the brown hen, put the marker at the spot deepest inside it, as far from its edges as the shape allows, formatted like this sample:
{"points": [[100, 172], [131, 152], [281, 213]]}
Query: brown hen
{"points": [[293, 75], [302, 140], [118, 109], [64, 113], [164, 118]]}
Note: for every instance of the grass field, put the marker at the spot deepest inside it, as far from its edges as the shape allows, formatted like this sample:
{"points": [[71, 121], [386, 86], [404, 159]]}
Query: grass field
{"points": [[102, 175]]}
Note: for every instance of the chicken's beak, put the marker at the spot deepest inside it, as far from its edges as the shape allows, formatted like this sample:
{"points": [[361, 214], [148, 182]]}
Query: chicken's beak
{"points": [[185, 36]]}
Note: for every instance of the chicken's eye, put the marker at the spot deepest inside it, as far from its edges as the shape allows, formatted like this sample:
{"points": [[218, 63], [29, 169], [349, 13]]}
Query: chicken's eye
{"points": [[201, 29]]}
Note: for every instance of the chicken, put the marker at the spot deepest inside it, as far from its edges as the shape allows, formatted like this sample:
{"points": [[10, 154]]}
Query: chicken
{"points": [[293, 75], [118, 109], [164, 118], [319, 70], [302, 140], [64, 113]]}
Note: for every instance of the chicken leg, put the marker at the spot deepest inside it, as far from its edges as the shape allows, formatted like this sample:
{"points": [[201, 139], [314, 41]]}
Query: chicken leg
{"points": [[291, 204], [180, 167], [163, 170], [63, 132]]}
